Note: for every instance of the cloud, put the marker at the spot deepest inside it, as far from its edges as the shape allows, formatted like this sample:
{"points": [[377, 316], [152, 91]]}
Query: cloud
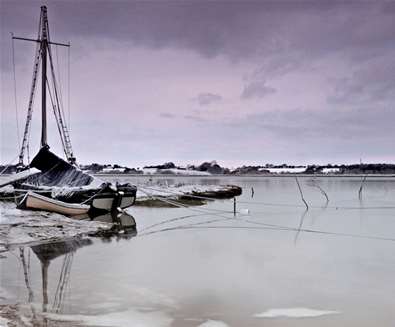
{"points": [[333, 59], [369, 83], [256, 90], [361, 123], [195, 118], [166, 115], [205, 99]]}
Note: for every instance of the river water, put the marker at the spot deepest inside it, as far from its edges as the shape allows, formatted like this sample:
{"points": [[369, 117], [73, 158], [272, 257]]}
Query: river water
{"points": [[274, 264]]}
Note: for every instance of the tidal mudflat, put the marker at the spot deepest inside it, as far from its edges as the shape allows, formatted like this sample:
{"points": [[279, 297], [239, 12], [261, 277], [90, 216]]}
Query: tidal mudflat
{"points": [[273, 264]]}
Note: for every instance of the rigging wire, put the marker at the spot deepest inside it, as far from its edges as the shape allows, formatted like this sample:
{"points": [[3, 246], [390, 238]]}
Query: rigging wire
{"points": [[57, 119], [172, 220], [182, 205], [68, 84], [15, 93], [176, 193], [59, 75], [298, 229], [263, 226], [9, 164]]}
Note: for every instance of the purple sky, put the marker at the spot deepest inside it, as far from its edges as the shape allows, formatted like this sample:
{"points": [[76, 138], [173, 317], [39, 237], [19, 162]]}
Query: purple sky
{"points": [[241, 83]]}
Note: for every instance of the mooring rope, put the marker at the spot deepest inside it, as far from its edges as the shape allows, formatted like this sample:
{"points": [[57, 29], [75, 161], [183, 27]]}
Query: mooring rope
{"points": [[15, 92], [8, 165]]}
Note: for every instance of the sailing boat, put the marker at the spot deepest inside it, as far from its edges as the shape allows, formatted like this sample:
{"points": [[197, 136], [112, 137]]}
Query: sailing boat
{"points": [[48, 176]]}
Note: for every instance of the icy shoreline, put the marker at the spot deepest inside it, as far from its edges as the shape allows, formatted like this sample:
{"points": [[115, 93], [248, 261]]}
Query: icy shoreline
{"points": [[20, 227]]}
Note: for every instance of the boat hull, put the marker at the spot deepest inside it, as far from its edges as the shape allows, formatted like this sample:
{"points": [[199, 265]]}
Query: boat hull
{"points": [[33, 201]]}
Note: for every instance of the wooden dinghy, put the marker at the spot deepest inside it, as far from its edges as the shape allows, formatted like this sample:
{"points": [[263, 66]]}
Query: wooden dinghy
{"points": [[34, 201]]}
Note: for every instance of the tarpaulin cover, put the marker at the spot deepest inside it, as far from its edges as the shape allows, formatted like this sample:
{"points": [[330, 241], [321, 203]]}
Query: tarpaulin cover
{"points": [[56, 171]]}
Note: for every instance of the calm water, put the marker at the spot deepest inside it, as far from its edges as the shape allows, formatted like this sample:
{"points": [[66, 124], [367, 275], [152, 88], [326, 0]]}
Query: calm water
{"points": [[211, 269]]}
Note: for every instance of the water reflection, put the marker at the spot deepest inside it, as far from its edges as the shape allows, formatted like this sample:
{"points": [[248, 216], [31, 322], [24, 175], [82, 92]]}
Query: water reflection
{"points": [[46, 253], [193, 267]]}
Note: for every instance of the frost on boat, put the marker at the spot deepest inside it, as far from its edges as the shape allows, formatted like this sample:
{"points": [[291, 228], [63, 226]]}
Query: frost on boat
{"points": [[57, 178]]}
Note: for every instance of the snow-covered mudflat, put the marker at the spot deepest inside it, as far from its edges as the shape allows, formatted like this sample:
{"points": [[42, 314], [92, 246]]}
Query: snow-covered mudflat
{"points": [[19, 227]]}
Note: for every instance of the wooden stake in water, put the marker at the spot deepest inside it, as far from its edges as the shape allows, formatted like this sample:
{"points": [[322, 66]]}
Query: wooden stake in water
{"points": [[234, 206], [301, 193], [361, 187]]}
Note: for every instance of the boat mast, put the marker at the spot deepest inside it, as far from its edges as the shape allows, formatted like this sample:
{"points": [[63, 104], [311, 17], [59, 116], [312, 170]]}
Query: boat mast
{"points": [[42, 54], [44, 45]]}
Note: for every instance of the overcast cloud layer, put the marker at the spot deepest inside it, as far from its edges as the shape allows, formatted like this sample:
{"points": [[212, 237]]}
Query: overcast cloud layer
{"points": [[242, 83]]}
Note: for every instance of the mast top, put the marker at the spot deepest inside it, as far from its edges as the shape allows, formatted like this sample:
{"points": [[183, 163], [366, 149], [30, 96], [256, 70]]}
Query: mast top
{"points": [[44, 52]]}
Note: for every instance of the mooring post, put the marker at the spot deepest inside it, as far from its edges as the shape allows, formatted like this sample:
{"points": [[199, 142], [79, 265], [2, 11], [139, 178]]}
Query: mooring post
{"points": [[234, 206]]}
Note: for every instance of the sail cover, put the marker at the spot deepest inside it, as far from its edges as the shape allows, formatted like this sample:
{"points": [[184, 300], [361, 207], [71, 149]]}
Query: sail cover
{"points": [[56, 171]]}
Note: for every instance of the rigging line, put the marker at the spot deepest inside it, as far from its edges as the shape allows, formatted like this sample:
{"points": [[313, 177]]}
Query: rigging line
{"points": [[201, 211], [62, 271], [177, 204], [9, 164], [182, 194], [54, 81], [314, 207], [59, 76], [66, 281], [26, 274], [62, 121], [317, 231], [15, 93], [272, 204], [184, 226], [191, 227], [171, 220], [27, 130], [68, 84], [57, 120], [11, 197], [199, 226]]}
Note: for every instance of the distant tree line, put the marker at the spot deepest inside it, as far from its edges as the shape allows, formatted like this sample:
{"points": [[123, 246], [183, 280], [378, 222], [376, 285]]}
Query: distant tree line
{"points": [[214, 168]]}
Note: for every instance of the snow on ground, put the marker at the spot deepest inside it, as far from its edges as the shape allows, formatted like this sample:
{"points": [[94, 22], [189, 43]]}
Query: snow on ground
{"points": [[294, 313], [189, 172], [286, 170], [128, 317], [331, 170], [4, 322], [18, 227], [175, 171], [213, 323]]}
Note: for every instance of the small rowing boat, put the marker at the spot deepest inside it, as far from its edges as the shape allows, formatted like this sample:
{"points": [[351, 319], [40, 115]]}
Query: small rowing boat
{"points": [[34, 201]]}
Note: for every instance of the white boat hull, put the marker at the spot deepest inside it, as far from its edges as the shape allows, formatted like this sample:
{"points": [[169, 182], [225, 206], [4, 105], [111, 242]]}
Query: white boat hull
{"points": [[35, 201]]}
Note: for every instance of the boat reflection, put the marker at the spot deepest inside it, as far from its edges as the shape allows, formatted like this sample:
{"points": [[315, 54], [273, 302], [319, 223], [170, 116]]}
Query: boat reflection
{"points": [[46, 253], [123, 223]]}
